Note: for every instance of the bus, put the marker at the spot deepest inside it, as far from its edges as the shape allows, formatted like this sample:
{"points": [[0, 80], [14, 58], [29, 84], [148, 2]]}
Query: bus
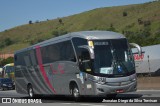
{"points": [[79, 64], [8, 71]]}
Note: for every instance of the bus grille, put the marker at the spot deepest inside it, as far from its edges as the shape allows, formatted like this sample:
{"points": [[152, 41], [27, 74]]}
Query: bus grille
{"points": [[118, 83]]}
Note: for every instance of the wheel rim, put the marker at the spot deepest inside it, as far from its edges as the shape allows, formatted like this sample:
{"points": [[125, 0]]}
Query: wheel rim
{"points": [[30, 92], [75, 92]]}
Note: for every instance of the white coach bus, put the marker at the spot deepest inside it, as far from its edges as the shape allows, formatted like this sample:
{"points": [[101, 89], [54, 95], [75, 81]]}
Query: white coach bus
{"points": [[86, 63]]}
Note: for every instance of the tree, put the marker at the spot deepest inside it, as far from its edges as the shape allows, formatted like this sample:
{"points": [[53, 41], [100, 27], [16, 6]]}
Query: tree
{"points": [[6, 61], [60, 21], [30, 22]]}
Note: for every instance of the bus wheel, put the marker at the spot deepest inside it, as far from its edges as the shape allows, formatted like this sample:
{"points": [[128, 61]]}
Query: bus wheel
{"points": [[30, 91], [75, 93]]}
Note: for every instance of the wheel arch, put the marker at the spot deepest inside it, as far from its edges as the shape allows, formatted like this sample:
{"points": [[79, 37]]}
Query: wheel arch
{"points": [[72, 83], [29, 84]]}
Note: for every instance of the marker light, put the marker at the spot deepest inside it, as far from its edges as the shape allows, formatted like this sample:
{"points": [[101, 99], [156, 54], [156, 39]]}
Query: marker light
{"points": [[90, 43]]}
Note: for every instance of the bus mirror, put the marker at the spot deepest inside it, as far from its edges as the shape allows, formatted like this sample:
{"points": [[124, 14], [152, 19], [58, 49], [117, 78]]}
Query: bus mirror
{"points": [[91, 52], [138, 48]]}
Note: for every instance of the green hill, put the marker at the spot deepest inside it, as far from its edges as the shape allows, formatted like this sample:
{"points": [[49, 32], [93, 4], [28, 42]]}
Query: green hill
{"points": [[140, 23]]}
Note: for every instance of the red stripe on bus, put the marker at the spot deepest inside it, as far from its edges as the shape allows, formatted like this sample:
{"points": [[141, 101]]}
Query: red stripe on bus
{"points": [[39, 57]]}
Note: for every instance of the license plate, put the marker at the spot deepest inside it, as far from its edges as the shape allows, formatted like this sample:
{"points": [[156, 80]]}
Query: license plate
{"points": [[119, 90]]}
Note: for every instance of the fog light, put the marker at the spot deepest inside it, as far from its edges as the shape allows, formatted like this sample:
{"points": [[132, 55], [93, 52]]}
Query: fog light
{"points": [[100, 89]]}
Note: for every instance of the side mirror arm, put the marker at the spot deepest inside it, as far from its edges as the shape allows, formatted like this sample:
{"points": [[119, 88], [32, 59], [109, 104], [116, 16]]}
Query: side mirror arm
{"points": [[138, 48]]}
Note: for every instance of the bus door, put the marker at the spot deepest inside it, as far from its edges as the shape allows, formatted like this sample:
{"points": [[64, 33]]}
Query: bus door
{"points": [[85, 64]]}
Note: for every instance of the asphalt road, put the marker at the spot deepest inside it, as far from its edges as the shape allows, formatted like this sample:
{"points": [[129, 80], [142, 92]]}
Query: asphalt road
{"points": [[125, 99]]}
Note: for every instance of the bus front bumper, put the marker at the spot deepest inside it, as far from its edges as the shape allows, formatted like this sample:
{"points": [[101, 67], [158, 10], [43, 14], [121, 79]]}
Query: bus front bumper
{"points": [[104, 89]]}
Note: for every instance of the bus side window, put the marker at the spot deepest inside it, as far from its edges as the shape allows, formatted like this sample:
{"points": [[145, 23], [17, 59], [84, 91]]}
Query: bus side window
{"points": [[85, 56], [84, 60], [66, 51]]}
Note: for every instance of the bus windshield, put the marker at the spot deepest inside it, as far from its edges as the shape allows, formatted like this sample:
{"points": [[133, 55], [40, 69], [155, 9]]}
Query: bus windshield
{"points": [[6, 80], [9, 69], [113, 58]]}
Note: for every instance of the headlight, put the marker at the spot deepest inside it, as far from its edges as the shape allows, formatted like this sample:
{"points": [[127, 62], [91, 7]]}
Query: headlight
{"points": [[134, 79], [100, 80], [4, 85]]}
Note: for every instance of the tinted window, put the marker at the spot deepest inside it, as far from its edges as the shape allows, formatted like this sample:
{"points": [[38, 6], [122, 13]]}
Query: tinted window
{"points": [[79, 42], [20, 59], [9, 69], [121, 48], [113, 58], [62, 51], [85, 63], [103, 56]]}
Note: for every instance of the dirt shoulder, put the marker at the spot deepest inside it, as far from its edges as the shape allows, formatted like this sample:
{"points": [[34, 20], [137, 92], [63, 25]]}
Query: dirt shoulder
{"points": [[148, 83]]}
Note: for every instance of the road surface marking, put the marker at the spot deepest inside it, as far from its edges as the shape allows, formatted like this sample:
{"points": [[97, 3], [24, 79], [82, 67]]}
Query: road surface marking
{"points": [[149, 90], [82, 104], [91, 105]]}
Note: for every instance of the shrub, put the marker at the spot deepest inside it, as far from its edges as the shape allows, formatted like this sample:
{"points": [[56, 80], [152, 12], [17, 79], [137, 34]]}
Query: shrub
{"points": [[59, 32], [140, 21], [56, 33], [112, 28], [125, 14], [147, 23], [8, 41]]}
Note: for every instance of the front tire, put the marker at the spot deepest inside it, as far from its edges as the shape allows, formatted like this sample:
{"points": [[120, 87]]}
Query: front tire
{"points": [[75, 93]]}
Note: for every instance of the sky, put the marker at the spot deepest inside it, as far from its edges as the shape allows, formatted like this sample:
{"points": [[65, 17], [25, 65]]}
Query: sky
{"points": [[18, 12]]}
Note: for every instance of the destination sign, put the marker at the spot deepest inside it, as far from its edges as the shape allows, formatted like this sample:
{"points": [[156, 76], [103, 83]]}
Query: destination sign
{"points": [[101, 43]]}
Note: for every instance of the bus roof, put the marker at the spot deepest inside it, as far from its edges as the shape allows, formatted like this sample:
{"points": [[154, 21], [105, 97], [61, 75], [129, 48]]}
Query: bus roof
{"points": [[90, 35], [10, 64]]}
